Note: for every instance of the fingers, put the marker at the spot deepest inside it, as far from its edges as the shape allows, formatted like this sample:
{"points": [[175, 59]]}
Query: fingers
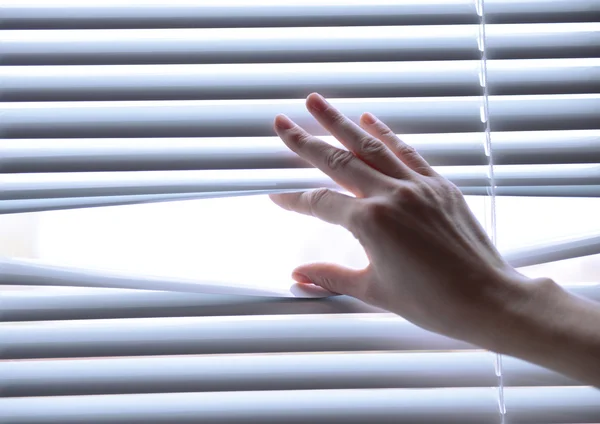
{"points": [[403, 151], [342, 166], [369, 149], [334, 278], [328, 205]]}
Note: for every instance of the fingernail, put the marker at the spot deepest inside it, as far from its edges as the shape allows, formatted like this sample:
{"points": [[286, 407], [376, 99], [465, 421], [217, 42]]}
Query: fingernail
{"points": [[369, 118], [301, 278], [318, 102], [283, 122]]}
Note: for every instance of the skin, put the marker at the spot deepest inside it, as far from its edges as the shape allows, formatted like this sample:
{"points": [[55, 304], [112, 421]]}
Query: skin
{"points": [[430, 260]]}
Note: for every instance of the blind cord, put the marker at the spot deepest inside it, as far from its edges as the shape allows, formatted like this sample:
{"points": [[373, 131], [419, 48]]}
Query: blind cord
{"points": [[485, 119]]}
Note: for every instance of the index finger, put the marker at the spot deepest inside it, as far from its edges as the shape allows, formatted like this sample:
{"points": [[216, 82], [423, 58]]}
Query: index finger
{"points": [[341, 165]]}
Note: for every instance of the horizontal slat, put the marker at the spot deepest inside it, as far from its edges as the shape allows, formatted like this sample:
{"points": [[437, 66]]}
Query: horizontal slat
{"points": [[46, 304], [89, 184], [62, 185], [298, 44], [30, 14], [148, 154], [39, 205], [250, 81], [552, 405], [516, 372], [524, 405], [27, 272], [515, 148], [250, 45], [36, 273], [313, 371], [256, 81], [397, 406], [64, 203], [528, 191], [558, 250], [544, 112], [209, 335], [33, 14], [243, 118], [543, 76], [52, 303], [237, 118], [212, 373], [555, 40], [541, 10]]}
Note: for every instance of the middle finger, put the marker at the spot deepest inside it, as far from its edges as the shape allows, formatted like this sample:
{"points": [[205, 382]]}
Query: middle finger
{"points": [[358, 141], [341, 165]]}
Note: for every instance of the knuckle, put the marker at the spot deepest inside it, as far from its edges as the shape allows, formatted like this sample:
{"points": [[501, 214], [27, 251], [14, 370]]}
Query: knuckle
{"points": [[300, 138], [403, 193], [385, 131], [315, 197], [328, 284], [338, 159], [406, 150], [370, 147], [373, 212], [335, 117]]}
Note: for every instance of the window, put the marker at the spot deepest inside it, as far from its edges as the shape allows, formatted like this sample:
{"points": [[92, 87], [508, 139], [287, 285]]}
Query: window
{"points": [[133, 132]]}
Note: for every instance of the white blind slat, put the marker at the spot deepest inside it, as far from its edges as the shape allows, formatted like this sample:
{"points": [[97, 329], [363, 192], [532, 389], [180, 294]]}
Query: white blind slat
{"points": [[276, 80], [242, 118], [133, 154], [181, 13], [51, 303], [552, 405], [312, 371], [318, 44], [456, 406], [64, 185], [224, 45], [210, 335]]}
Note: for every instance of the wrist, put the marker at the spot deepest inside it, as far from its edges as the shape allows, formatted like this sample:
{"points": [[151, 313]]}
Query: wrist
{"points": [[529, 318], [520, 312]]}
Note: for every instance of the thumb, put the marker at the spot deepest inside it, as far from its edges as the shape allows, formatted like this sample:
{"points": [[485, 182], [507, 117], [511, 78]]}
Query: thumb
{"points": [[332, 277]]}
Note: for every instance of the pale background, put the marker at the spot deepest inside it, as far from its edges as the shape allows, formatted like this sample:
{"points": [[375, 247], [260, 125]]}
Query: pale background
{"points": [[251, 241]]}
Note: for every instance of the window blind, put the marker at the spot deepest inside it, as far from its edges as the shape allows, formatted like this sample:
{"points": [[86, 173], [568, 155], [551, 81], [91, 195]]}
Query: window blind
{"points": [[115, 103]]}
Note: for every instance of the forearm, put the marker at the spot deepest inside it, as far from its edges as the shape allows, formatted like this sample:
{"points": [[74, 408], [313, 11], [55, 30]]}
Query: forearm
{"points": [[555, 329]]}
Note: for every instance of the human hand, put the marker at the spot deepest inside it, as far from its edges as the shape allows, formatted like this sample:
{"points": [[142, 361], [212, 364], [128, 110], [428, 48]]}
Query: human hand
{"points": [[430, 260]]}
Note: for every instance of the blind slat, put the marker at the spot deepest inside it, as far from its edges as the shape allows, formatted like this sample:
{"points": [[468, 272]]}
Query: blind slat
{"points": [[64, 185], [141, 14], [53, 303], [64, 203], [455, 406], [295, 371], [552, 405], [255, 372], [317, 44], [526, 191], [259, 81], [209, 335], [131, 154], [254, 45], [243, 118], [573, 247]]}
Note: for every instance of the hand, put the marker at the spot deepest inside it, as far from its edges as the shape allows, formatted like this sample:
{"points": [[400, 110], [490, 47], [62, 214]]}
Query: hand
{"points": [[430, 260]]}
